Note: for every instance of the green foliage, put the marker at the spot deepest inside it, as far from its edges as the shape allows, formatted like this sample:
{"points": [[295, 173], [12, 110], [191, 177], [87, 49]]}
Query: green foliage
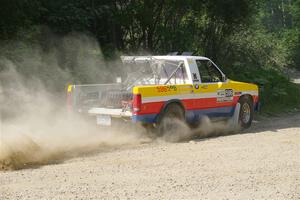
{"points": [[277, 93]]}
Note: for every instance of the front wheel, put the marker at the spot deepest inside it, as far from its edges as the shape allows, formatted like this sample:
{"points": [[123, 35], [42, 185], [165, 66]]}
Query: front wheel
{"points": [[246, 112]]}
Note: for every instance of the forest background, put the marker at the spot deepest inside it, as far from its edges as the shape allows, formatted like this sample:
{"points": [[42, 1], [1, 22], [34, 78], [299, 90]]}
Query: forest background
{"points": [[251, 40]]}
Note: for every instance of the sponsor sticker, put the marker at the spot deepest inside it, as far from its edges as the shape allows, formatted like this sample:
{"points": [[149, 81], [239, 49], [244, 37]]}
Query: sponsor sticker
{"points": [[195, 78], [225, 95], [168, 88]]}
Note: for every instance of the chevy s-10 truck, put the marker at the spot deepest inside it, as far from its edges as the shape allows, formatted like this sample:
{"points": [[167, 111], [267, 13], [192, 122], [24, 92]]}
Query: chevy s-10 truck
{"points": [[182, 87]]}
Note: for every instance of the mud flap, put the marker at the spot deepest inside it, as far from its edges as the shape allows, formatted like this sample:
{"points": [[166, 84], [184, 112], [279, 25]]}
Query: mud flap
{"points": [[235, 118]]}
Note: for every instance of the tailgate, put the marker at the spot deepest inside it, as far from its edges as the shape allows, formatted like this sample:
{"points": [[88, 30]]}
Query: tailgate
{"points": [[82, 98]]}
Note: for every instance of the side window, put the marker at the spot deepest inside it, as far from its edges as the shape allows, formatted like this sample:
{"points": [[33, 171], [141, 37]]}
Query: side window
{"points": [[208, 72], [181, 74], [180, 77]]}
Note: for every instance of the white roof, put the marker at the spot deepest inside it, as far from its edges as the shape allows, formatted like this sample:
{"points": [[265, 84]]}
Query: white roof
{"points": [[180, 57], [168, 57]]}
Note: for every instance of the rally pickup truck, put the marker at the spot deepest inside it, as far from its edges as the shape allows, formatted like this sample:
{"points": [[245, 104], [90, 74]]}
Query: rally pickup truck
{"points": [[165, 87]]}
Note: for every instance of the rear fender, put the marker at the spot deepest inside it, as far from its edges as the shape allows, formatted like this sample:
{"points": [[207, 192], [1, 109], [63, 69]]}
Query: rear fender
{"points": [[166, 104]]}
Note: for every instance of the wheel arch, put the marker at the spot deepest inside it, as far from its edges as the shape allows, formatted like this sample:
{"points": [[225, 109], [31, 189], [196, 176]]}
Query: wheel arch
{"points": [[168, 103], [247, 96]]}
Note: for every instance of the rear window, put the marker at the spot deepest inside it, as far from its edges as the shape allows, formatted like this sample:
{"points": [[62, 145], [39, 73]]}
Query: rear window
{"points": [[169, 67]]}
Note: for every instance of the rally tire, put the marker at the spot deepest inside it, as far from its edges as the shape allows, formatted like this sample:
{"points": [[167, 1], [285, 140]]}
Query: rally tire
{"points": [[246, 112], [167, 121]]}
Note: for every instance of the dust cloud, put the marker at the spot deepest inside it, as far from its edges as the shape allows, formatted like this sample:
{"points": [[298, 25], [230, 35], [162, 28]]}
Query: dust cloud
{"points": [[204, 128], [208, 128], [35, 127]]}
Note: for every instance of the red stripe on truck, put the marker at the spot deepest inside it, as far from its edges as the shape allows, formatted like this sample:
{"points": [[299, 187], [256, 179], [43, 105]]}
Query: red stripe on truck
{"points": [[189, 104]]}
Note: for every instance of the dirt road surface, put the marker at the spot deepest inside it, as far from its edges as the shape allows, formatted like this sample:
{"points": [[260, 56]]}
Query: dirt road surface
{"points": [[262, 163]]}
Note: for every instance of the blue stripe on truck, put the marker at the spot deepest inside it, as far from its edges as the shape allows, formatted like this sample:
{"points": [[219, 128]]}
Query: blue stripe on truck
{"points": [[147, 118], [191, 115]]}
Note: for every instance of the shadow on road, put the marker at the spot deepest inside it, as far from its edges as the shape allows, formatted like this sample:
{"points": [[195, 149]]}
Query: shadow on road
{"points": [[274, 124], [271, 124]]}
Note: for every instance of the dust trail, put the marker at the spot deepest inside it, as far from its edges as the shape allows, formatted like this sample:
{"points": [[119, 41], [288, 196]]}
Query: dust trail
{"points": [[180, 131], [208, 128], [44, 144], [41, 131], [35, 127], [204, 128]]}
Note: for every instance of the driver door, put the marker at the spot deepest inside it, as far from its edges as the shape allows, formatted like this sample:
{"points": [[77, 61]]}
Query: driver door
{"points": [[215, 95]]}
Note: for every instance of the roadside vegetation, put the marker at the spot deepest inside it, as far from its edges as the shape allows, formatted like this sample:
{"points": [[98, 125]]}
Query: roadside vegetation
{"points": [[253, 41]]}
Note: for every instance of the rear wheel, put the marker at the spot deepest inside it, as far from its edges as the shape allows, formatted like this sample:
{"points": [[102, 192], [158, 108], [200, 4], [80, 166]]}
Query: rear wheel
{"points": [[170, 120], [246, 112]]}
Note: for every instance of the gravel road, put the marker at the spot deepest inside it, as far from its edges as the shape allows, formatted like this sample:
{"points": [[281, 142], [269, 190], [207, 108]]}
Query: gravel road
{"points": [[262, 163]]}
